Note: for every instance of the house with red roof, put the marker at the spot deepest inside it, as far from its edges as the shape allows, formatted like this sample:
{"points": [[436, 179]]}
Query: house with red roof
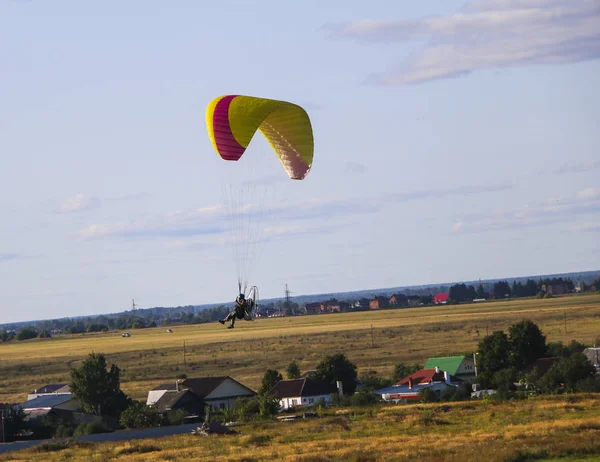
{"points": [[410, 387], [441, 298]]}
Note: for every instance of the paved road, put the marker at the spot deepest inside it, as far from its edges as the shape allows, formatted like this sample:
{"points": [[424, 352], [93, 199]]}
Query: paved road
{"points": [[123, 435]]}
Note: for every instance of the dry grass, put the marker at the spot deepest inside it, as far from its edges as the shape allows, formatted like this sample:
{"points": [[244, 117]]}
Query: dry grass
{"points": [[151, 356], [536, 429]]}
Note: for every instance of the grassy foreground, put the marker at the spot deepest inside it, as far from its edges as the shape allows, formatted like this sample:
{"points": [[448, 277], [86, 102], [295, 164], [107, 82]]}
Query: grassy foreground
{"points": [[151, 356], [548, 429]]}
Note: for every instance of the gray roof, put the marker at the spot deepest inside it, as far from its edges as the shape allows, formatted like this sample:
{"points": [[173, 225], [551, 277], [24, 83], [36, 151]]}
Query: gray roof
{"points": [[593, 354], [301, 387], [46, 401], [51, 388], [184, 399]]}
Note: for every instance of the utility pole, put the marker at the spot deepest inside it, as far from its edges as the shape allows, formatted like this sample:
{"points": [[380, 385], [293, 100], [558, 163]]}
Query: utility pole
{"points": [[2, 435], [565, 321], [184, 364], [133, 305], [287, 299], [372, 338]]}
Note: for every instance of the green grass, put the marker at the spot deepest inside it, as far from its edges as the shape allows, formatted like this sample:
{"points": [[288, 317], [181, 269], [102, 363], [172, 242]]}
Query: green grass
{"points": [[541, 428]]}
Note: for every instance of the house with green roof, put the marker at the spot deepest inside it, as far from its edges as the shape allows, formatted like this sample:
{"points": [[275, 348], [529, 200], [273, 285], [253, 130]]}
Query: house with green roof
{"points": [[458, 366]]}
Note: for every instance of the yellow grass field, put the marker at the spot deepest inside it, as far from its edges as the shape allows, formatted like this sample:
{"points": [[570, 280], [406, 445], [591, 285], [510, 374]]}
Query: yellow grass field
{"points": [[152, 356], [559, 428]]}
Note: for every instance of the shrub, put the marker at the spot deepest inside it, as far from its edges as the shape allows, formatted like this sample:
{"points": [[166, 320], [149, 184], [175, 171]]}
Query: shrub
{"points": [[138, 415], [90, 428], [64, 430], [363, 399], [176, 416]]}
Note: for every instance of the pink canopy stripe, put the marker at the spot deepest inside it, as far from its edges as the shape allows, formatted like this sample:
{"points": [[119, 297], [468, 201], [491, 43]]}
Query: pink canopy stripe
{"points": [[227, 145]]}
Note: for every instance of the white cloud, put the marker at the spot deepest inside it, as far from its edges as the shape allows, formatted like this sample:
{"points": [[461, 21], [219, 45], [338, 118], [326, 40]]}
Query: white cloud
{"points": [[8, 256], [585, 202], [484, 35], [588, 227], [588, 194], [201, 221], [579, 167], [291, 218], [356, 167], [78, 203]]}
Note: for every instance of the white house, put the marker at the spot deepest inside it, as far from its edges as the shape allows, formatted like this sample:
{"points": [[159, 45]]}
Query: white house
{"points": [[593, 356], [302, 392], [216, 392]]}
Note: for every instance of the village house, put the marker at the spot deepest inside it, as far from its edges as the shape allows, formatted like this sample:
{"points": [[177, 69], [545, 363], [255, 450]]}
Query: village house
{"points": [[63, 406], [51, 389], [441, 298], [360, 304], [542, 365], [593, 355], [217, 392], [554, 289], [302, 392], [334, 306], [313, 308], [461, 367], [378, 302], [409, 388], [398, 300], [182, 399], [413, 300]]}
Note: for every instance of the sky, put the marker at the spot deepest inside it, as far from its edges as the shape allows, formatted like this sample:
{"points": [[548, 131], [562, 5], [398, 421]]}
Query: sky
{"points": [[454, 141]]}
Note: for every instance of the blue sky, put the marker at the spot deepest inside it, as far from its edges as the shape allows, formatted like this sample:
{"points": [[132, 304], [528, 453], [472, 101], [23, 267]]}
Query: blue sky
{"points": [[453, 141]]}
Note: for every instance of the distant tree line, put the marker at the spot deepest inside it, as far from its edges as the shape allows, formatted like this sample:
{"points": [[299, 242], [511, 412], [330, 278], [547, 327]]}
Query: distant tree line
{"points": [[502, 289], [154, 317]]}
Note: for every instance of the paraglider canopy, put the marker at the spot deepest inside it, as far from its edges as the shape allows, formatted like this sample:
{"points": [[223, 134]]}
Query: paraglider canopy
{"points": [[232, 121]]}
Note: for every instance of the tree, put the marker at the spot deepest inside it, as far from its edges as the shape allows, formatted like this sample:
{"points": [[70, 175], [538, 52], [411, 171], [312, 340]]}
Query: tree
{"points": [[338, 367], [404, 370], [494, 355], [26, 333], [480, 291], [97, 327], [504, 379], [268, 405], [14, 422], [292, 371], [501, 289], [6, 336], [370, 380], [530, 289], [574, 369], [527, 343], [471, 293], [98, 390], [269, 380], [138, 415], [45, 334]]}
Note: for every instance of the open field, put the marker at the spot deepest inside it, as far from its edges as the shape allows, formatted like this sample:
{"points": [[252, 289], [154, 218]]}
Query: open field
{"points": [[152, 356], [548, 429]]}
